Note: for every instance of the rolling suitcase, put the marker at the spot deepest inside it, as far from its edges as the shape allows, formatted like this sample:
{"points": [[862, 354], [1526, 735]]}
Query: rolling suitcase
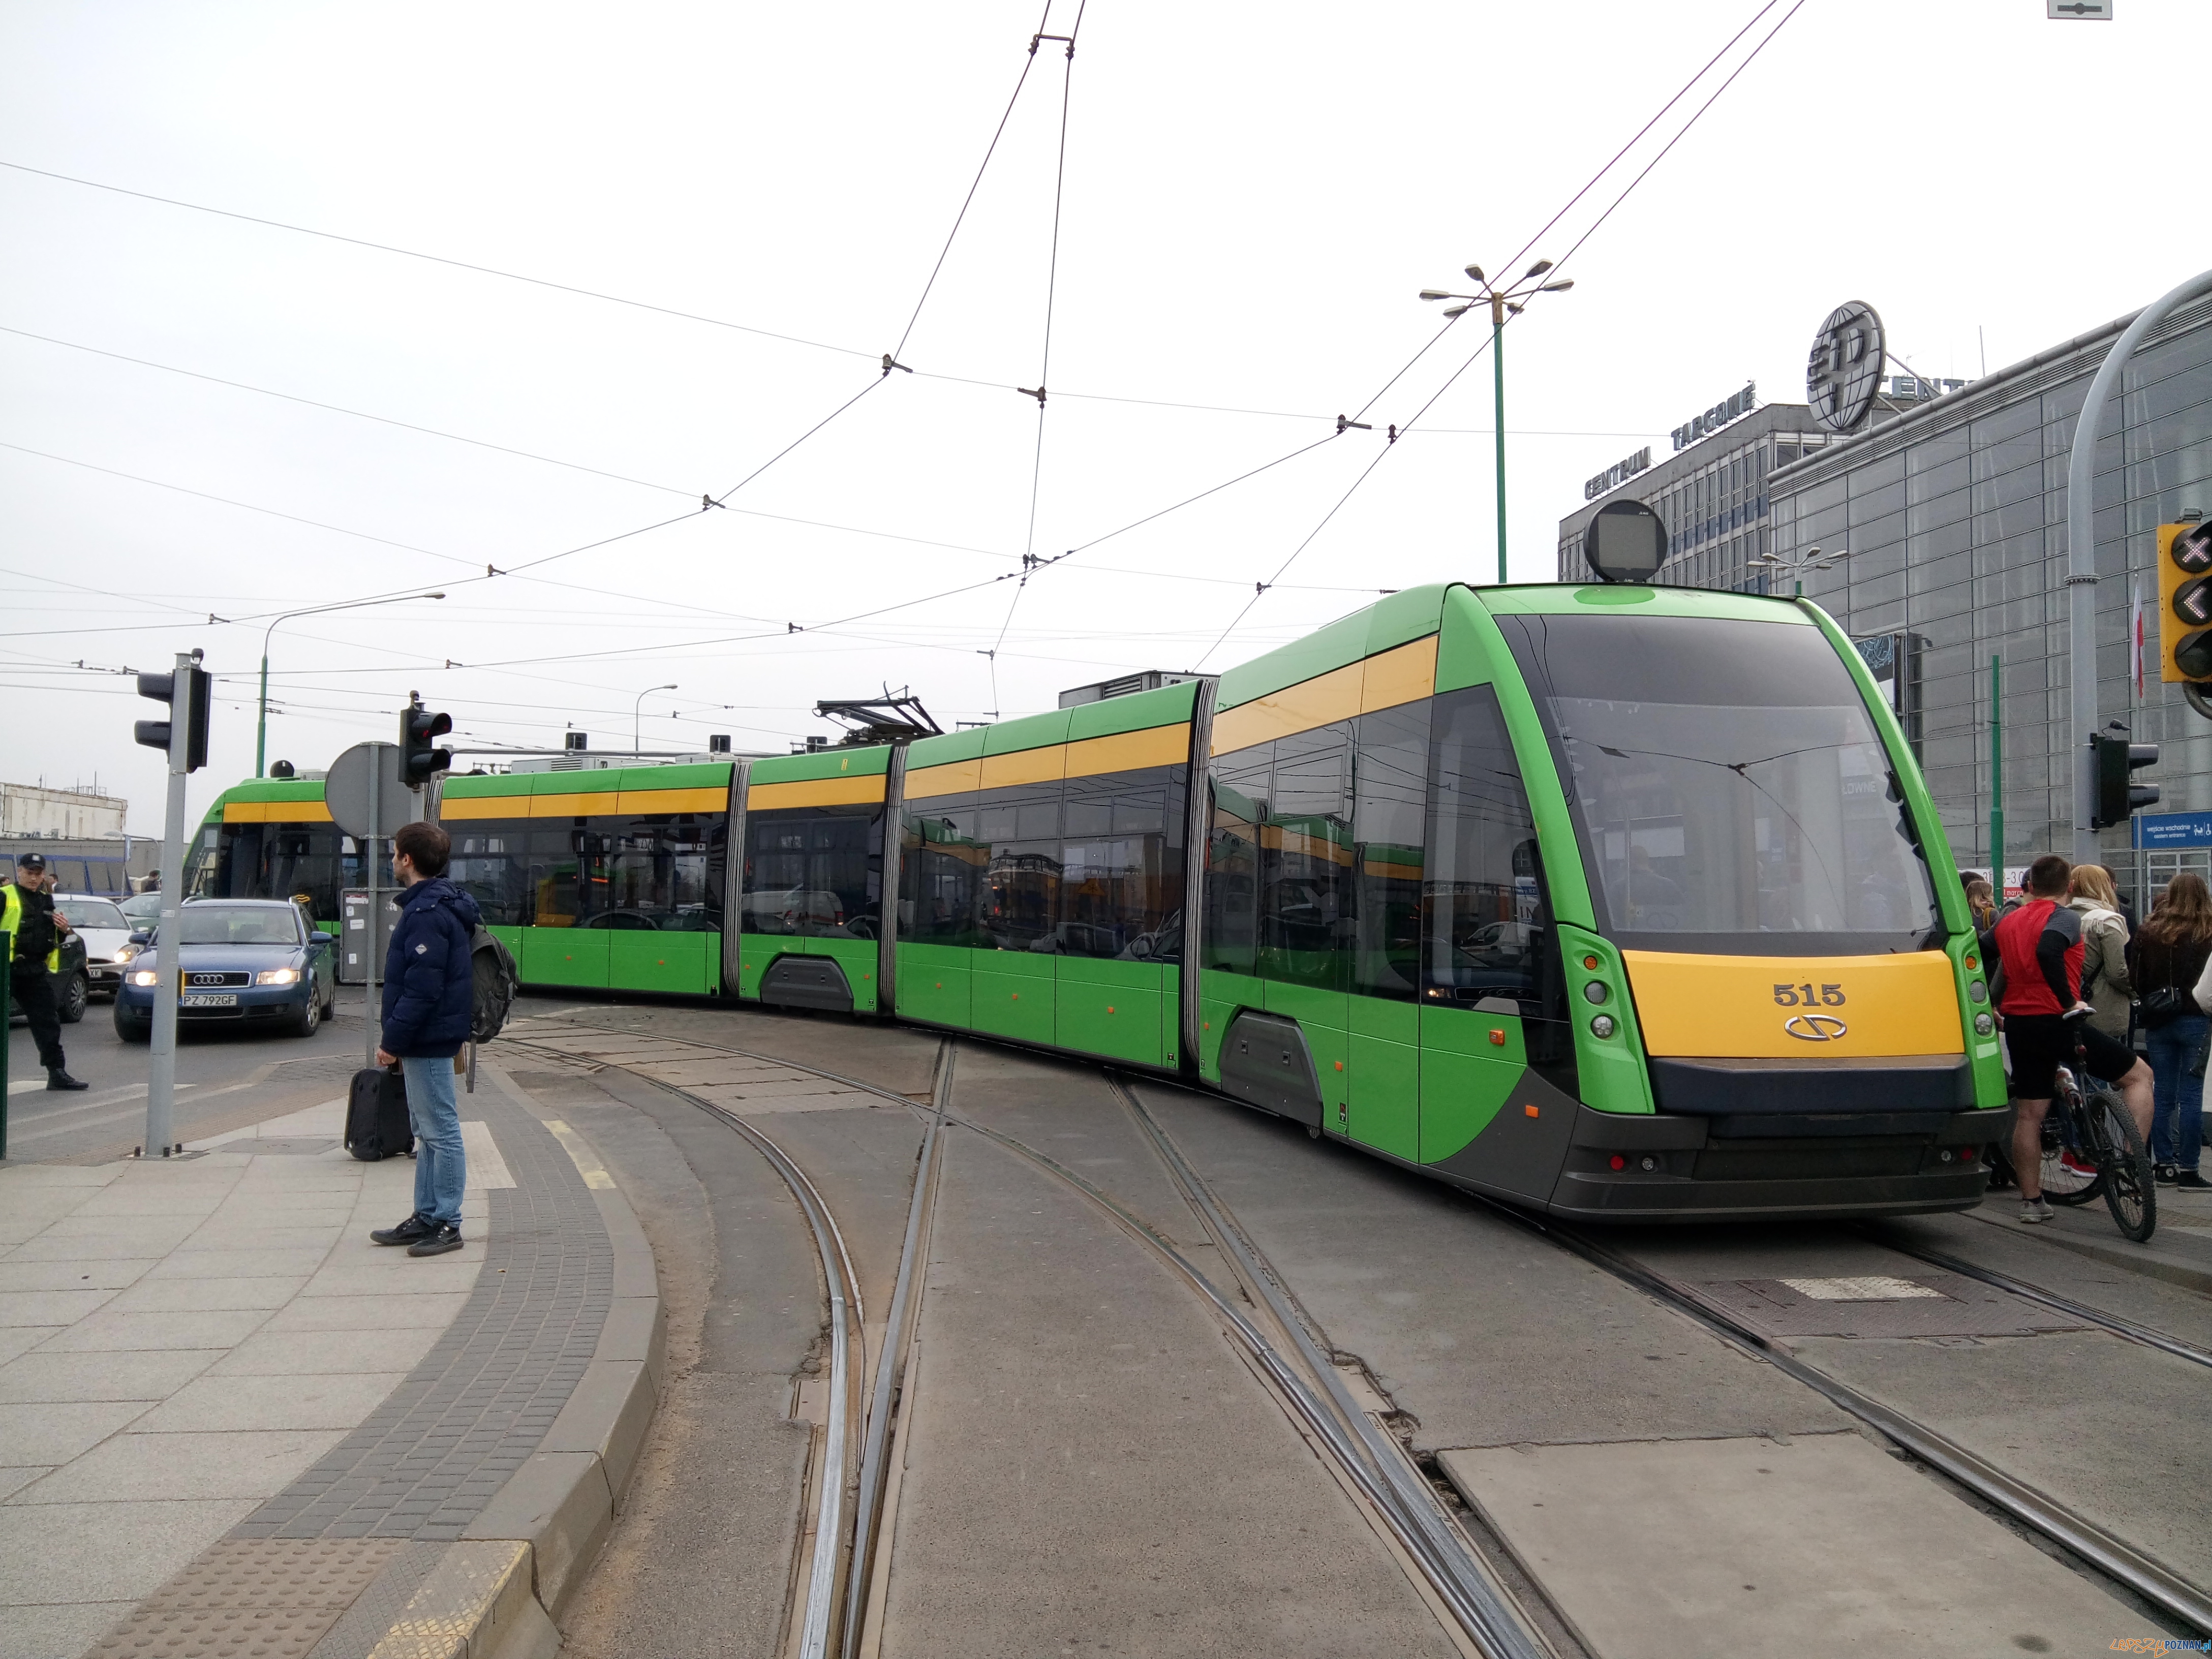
{"points": [[377, 1124]]}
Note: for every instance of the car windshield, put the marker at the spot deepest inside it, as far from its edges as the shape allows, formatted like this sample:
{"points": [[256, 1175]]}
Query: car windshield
{"points": [[240, 924], [1729, 788], [142, 906], [91, 912]]}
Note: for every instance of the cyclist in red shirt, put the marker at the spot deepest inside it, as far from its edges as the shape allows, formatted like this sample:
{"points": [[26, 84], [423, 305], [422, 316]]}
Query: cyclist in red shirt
{"points": [[2037, 991]]}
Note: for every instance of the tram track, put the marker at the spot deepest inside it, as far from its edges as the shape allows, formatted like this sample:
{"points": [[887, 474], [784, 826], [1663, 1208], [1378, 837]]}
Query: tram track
{"points": [[2102, 1551], [1397, 1489], [1387, 1482], [2127, 1328]]}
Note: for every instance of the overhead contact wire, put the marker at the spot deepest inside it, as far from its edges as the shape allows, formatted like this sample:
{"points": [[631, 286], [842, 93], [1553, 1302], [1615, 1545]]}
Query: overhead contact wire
{"points": [[989, 150]]}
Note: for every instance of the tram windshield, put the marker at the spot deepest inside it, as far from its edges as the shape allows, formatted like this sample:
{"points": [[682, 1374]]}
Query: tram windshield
{"points": [[1728, 786]]}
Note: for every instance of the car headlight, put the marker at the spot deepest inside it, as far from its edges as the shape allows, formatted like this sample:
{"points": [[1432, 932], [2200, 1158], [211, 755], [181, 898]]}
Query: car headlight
{"points": [[127, 951], [277, 976], [146, 976]]}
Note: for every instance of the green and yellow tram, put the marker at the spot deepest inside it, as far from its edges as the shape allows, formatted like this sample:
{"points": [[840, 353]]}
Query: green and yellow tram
{"points": [[1620, 902]]}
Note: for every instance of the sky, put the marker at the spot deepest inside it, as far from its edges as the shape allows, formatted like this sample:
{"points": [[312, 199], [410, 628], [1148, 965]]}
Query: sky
{"points": [[726, 215]]}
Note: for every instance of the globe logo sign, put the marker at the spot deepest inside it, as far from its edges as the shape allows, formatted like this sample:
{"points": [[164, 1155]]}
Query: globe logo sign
{"points": [[1844, 370]]}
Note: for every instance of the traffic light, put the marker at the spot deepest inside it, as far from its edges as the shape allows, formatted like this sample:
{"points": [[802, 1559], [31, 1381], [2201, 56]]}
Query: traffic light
{"points": [[198, 691], [418, 761], [2185, 602], [2118, 798]]}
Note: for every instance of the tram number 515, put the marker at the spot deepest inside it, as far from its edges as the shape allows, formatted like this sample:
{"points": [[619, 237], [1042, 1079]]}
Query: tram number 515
{"points": [[1802, 996]]}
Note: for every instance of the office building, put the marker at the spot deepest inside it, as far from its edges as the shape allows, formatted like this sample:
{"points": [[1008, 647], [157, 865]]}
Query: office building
{"points": [[1711, 492], [1954, 514]]}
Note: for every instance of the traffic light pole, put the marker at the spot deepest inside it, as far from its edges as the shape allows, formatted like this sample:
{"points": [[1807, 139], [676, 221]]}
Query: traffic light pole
{"points": [[2082, 555], [161, 1067]]}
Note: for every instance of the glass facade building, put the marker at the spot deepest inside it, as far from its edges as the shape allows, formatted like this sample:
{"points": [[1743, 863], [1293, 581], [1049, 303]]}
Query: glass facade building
{"points": [[1714, 499], [1954, 517]]}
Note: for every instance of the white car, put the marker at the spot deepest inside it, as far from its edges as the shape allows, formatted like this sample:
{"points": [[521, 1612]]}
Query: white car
{"points": [[106, 934]]}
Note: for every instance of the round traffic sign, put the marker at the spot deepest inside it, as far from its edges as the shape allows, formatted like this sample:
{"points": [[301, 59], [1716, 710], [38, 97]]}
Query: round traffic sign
{"points": [[346, 791]]}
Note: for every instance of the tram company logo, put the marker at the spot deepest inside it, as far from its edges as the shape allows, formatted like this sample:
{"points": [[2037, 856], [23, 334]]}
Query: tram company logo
{"points": [[1815, 1028]]}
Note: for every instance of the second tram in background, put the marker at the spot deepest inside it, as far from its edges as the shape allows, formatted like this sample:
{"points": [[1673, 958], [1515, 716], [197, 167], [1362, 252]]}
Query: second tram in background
{"points": [[1619, 902]]}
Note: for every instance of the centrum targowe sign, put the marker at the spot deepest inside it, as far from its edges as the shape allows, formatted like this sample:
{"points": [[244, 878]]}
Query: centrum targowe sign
{"points": [[1729, 409], [1618, 474]]}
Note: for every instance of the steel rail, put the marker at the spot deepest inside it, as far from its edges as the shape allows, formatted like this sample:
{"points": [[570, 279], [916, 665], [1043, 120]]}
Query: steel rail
{"points": [[829, 1508], [2145, 1575], [1415, 1500], [890, 1363], [2020, 1287], [1496, 1630], [1508, 1642]]}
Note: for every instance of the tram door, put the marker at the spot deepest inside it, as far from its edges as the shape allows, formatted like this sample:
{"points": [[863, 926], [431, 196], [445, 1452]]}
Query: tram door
{"points": [[1483, 928]]}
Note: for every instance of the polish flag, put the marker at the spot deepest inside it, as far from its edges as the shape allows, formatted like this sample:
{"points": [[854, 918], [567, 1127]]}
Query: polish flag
{"points": [[2136, 639]]}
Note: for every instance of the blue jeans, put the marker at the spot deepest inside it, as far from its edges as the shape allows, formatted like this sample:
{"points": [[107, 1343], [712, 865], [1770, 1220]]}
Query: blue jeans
{"points": [[440, 1171], [2176, 1094]]}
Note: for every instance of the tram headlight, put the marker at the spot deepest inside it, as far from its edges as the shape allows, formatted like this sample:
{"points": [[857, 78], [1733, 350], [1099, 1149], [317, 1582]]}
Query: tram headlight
{"points": [[1596, 991], [1985, 1026], [1603, 1026], [1977, 992]]}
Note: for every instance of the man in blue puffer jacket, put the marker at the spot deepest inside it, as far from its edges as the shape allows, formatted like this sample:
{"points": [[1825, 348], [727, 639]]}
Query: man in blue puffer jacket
{"points": [[429, 991]]}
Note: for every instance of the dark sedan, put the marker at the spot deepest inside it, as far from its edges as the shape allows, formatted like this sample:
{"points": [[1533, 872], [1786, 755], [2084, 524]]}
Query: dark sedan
{"points": [[258, 961]]}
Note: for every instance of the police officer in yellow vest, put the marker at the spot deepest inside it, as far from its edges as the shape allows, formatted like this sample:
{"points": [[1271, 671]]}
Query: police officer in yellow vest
{"points": [[33, 932]]}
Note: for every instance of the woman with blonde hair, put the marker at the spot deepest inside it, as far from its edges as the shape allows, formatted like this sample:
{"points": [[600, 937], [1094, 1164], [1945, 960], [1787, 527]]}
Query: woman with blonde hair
{"points": [[2166, 960], [2105, 983]]}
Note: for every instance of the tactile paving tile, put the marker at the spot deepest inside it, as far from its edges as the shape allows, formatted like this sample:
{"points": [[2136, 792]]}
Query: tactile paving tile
{"points": [[426, 1462], [1929, 1304], [261, 1598]]}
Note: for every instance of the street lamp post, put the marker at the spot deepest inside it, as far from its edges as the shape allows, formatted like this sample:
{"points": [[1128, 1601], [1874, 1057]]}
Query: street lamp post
{"points": [[637, 714], [261, 723], [1510, 300]]}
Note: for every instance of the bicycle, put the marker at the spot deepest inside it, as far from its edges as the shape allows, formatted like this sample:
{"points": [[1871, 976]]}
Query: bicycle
{"points": [[2098, 1129]]}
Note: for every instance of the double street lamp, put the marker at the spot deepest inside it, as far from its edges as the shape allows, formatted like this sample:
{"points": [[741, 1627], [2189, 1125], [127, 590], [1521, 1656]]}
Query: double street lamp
{"points": [[261, 725], [1797, 565], [1510, 300]]}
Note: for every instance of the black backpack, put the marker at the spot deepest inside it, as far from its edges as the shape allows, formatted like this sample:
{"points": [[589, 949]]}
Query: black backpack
{"points": [[491, 967]]}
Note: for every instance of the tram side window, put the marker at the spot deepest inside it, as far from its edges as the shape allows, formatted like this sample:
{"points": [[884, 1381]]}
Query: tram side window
{"points": [[1485, 934], [940, 870], [816, 870], [658, 874], [1230, 941], [1019, 900], [1121, 866], [1281, 895], [1390, 768], [491, 865], [1306, 892], [567, 873]]}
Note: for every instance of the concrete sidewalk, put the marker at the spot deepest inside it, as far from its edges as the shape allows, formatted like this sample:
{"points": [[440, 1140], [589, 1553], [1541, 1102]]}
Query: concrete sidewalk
{"points": [[228, 1421]]}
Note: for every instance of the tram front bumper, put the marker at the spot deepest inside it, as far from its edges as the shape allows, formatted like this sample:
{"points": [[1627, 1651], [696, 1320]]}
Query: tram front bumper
{"points": [[1682, 1167]]}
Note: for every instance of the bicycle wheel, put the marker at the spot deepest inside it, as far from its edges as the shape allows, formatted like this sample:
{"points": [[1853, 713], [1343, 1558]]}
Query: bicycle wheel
{"points": [[2129, 1192], [2071, 1173]]}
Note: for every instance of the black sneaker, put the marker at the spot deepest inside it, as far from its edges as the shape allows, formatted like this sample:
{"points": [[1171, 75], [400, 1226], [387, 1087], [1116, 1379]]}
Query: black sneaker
{"points": [[58, 1077], [436, 1242], [2190, 1182], [2166, 1174], [407, 1232]]}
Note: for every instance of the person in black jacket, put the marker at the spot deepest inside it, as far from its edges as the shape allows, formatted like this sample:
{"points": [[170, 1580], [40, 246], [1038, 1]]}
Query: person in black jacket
{"points": [[429, 986]]}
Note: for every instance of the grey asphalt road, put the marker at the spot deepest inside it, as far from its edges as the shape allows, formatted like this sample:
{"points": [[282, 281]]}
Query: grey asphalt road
{"points": [[215, 1068]]}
